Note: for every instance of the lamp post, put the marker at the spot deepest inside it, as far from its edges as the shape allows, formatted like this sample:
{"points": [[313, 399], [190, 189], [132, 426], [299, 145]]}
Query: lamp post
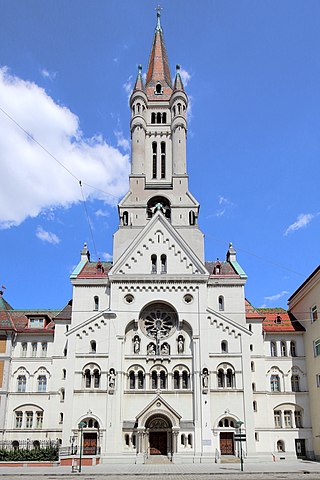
{"points": [[80, 426], [238, 425]]}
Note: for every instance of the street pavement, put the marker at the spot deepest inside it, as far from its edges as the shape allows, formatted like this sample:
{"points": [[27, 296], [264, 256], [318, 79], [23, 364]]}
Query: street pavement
{"points": [[293, 470]]}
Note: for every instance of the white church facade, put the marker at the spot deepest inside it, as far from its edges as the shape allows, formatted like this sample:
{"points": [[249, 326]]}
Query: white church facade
{"points": [[159, 352]]}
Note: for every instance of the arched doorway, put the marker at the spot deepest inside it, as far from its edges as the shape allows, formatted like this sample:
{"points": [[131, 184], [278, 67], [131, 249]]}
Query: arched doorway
{"points": [[160, 433], [90, 436], [227, 426]]}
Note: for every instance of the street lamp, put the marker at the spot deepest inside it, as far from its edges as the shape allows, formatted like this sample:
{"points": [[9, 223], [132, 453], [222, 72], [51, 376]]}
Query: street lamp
{"points": [[241, 438], [80, 426]]}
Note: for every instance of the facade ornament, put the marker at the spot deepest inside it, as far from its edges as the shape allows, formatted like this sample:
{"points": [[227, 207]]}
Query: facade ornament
{"points": [[180, 343], [136, 344], [112, 380]]}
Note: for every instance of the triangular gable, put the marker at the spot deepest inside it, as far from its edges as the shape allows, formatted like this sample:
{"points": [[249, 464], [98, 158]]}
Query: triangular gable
{"points": [[158, 406], [158, 238]]}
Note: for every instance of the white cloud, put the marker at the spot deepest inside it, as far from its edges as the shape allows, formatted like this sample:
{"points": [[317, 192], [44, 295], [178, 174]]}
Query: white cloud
{"points": [[302, 221], [122, 142], [31, 181], [128, 85], [185, 76], [106, 256], [46, 74], [47, 236], [224, 204], [101, 213], [272, 298]]}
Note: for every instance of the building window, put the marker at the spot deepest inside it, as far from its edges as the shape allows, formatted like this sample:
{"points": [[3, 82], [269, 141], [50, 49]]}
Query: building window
{"points": [[190, 440], [39, 419], [283, 349], [64, 374], [281, 446], [29, 419], [36, 322], [278, 320], [154, 159], [314, 313], [224, 346], [253, 387], [140, 380], [287, 415], [22, 382], [298, 418], [185, 380], [153, 117], [254, 405], [176, 380], [293, 349], [62, 395], [163, 160], [132, 381], [277, 418], [316, 346], [96, 379], [164, 117], [183, 440], [192, 218], [60, 417], [295, 383], [96, 303], [42, 383], [154, 380], [93, 346], [256, 436], [273, 349], [163, 259], [275, 383], [153, 263], [252, 367], [318, 380], [24, 347], [251, 347], [221, 303], [34, 347], [87, 376], [44, 349], [226, 377], [18, 422], [125, 219], [163, 380]]}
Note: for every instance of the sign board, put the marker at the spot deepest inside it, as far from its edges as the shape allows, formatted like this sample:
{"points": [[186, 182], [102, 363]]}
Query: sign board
{"points": [[240, 438]]}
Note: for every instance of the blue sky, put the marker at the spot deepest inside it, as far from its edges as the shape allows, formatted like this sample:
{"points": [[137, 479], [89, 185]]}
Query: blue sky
{"points": [[252, 70]]}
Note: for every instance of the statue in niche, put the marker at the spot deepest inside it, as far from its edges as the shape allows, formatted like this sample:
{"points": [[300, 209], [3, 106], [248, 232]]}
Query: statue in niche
{"points": [[136, 344], [151, 349], [205, 378], [165, 349], [180, 344], [112, 379]]}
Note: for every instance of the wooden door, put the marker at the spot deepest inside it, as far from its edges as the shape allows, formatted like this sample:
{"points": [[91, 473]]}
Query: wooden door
{"points": [[158, 443], [300, 447], [89, 443], [226, 443]]}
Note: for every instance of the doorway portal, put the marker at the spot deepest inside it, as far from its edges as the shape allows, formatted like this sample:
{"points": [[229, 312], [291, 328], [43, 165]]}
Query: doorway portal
{"points": [[160, 433]]}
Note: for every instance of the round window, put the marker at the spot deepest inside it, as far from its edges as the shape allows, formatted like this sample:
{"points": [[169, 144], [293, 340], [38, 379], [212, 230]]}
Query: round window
{"points": [[158, 321], [129, 298], [188, 298]]}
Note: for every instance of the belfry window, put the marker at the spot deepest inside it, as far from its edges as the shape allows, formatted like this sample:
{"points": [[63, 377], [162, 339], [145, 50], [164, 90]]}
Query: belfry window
{"points": [[125, 219], [154, 159], [153, 263], [158, 90], [153, 117], [163, 160], [158, 117], [221, 303], [96, 303], [163, 264]]}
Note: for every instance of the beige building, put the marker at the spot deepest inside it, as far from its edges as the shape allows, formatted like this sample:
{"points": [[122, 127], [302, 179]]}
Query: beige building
{"points": [[304, 303]]}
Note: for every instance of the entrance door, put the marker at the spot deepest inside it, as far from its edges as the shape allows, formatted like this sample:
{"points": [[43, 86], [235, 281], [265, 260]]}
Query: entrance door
{"points": [[158, 443], [226, 443], [300, 447], [89, 443]]}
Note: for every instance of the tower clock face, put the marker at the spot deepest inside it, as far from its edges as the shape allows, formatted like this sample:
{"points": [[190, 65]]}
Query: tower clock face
{"points": [[158, 321]]}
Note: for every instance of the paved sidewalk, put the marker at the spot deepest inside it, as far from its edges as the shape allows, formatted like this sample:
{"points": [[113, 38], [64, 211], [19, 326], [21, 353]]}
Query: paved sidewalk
{"points": [[206, 470]]}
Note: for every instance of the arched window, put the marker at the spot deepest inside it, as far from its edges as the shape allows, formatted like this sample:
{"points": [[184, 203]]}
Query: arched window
{"points": [[158, 89], [163, 160], [158, 117], [273, 349], [220, 378], [192, 218], [163, 380], [293, 349], [179, 108], [176, 380], [277, 418], [254, 405], [132, 380], [19, 417], [140, 380], [185, 379], [93, 346], [127, 440], [252, 367], [24, 347], [153, 263], [229, 378], [183, 439], [226, 376], [87, 375], [42, 383], [64, 374], [22, 382], [174, 111], [275, 383], [221, 303], [164, 117], [61, 417], [62, 395], [283, 349], [125, 218], [154, 159], [163, 263], [287, 416], [153, 117], [29, 419], [96, 303], [190, 440], [154, 380], [224, 346], [295, 383], [96, 379]]}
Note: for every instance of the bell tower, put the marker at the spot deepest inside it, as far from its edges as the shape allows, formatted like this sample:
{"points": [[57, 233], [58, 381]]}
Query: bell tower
{"points": [[158, 179]]}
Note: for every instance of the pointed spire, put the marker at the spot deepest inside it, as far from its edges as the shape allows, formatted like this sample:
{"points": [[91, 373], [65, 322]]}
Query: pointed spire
{"points": [[139, 81], [158, 81], [178, 85]]}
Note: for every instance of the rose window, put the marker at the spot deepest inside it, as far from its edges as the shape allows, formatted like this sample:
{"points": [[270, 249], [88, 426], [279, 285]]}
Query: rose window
{"points": [[158, 321]]}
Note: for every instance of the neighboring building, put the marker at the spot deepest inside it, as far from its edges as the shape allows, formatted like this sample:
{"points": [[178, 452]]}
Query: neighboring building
{"points": [[304, 303], [159, 352]]}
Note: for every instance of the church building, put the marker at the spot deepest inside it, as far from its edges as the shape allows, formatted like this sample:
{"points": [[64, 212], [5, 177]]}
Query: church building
{"points": [[158, 352]]}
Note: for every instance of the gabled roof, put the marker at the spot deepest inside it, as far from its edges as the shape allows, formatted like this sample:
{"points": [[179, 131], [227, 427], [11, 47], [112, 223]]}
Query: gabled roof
{"points": [[279, 320], [65, 313], [5, 317], [304, 283], [252, 312], [21, 318], [158, 67], [221, 269]]}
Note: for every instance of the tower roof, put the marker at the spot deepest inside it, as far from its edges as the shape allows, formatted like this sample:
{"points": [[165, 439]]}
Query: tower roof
{"points": [[139, 81], [158, 68], [178, 85]]}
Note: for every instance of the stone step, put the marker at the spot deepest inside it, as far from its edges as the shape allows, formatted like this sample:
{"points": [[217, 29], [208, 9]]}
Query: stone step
{"points": [[229, 459], [157, 459]]}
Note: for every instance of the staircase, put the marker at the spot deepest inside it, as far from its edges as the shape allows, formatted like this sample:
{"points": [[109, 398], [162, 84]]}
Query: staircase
{"points": [[157, 459], [229, 459]]}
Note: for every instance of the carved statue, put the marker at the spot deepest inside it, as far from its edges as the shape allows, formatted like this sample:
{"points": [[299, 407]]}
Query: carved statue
{"points": [[151, 349], [205, 378], [136, 344], [180, 344], [165, 349], [112, 378]]}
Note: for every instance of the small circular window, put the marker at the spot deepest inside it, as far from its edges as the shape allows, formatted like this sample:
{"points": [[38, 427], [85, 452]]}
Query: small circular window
{"points": [[129, 298], [188, 298]]}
